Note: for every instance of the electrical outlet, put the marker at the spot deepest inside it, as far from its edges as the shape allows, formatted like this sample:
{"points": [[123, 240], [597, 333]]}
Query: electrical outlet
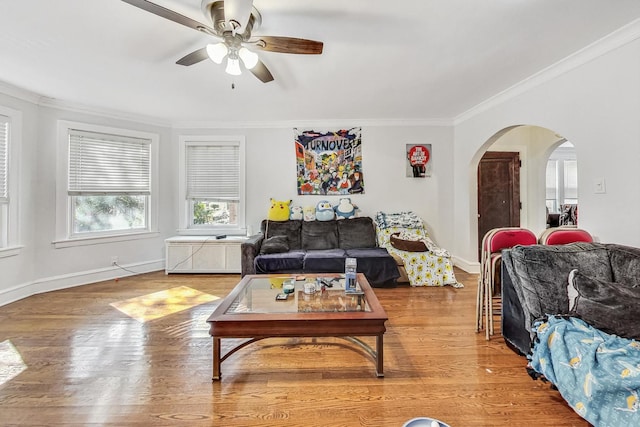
{"points": [[114, 260]]}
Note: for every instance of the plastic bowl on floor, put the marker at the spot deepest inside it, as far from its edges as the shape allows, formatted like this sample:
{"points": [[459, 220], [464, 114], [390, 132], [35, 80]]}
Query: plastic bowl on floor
{"points": [[424, 422]]}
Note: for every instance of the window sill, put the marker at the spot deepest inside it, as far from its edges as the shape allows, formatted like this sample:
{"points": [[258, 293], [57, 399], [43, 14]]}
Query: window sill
{"points": [[10, 251], [86, 241], [211, 231]]}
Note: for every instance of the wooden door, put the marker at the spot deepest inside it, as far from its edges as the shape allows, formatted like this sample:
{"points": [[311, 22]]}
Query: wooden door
{"points": [[498, 192]]}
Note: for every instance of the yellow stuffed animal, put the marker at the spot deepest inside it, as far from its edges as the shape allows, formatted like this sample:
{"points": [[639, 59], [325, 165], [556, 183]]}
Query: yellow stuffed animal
{"points": [[279, 210]]}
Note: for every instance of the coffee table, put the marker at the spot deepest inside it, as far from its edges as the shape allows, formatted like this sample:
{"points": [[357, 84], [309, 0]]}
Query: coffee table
{"points": [[251, 311]]}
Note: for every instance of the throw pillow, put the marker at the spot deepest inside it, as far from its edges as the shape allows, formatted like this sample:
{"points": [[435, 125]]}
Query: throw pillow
{"points": [[410, 245], [274, 245], [612, 307]]}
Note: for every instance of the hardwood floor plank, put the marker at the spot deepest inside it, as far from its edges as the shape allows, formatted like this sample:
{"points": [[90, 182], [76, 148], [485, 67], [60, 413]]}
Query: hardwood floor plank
{"points": [[90, 364]]}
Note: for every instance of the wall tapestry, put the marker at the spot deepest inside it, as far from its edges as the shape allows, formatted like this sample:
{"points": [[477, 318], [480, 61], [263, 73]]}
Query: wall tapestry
{"points": [[329, 162], [419, 160]]}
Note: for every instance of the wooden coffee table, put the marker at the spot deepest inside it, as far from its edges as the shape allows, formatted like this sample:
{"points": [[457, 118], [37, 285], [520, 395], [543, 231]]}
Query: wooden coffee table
{"points": [[251, 311]]}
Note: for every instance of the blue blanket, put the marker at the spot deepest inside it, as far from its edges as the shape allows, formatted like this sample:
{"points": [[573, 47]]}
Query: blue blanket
{"points": [[597, 374]]}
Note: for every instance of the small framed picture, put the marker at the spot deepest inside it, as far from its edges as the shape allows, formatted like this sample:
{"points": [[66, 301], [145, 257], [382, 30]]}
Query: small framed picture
{"points": [[418, 160]]}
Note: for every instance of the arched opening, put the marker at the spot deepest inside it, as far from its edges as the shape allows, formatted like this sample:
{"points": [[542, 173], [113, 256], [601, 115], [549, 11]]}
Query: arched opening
{"points": [[534, 146]]}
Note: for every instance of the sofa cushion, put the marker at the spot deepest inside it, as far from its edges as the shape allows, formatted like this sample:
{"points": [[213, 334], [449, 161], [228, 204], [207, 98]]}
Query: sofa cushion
{"points": [[542, 272], [274, 245], [291, 229], [612, 307], [324, 261], [625, 264], [291, 261], [319, 235], [356, 233]]}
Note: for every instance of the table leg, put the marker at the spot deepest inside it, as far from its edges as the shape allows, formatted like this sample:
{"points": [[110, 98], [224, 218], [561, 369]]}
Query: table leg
{"points": [[379, 356], [216, 359]]}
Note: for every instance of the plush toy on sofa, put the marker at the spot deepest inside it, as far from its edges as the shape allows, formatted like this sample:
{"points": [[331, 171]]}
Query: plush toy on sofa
{"points": [[344, 209], [279, 210], [324, 211], [309, 213], [295, 212]]}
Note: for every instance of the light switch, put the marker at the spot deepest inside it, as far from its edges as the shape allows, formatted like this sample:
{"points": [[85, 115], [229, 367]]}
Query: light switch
{"points": [[599, 186]]}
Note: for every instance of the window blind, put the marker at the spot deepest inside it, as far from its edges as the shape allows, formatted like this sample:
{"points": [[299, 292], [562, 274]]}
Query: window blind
{"points": [[4, 160], [101, 164], [213, 171]]}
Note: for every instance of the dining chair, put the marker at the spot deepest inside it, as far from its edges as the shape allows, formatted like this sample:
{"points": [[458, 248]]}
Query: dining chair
{"points": [[493, 242]]}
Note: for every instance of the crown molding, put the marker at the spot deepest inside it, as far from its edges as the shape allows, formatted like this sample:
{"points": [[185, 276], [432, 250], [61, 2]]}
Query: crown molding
{"points": [[43, 101], [312, 123], [608, 43], [19, 93], [102, 112]]}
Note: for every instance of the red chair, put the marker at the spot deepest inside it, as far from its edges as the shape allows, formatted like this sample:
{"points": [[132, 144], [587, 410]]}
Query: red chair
{"points": [[563, 236], [493, 242]]}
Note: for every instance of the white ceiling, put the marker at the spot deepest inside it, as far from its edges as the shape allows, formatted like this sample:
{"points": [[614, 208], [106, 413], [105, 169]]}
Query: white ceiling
{"points": [[406, 59]]}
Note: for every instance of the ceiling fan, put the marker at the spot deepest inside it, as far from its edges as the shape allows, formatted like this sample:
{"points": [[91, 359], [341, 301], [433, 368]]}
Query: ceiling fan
{"points": [[232, 22]]}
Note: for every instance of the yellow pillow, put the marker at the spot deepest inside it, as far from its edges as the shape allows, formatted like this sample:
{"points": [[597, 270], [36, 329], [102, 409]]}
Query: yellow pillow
{"points": [[279, 210]]}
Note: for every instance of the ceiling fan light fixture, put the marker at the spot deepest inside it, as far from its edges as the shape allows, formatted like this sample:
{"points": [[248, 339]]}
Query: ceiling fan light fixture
{"points": [[250, 59], [233, 67], [217, 52]]}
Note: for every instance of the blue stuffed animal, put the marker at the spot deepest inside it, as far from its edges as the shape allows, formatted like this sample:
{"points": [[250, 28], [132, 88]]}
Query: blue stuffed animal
{"points": [[344, 209], [324, 211]]}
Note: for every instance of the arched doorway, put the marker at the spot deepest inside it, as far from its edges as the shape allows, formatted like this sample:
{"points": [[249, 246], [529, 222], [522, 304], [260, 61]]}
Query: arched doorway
{"points": [[534, 145]]}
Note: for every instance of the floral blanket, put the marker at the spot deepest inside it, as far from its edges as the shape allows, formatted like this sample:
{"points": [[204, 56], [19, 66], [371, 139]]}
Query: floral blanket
{"points": [[596, 373], [430, 268], [398, 220]]}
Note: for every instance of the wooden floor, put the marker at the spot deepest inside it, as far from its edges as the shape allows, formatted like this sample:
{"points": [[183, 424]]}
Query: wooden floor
{"points": [[90, 364]]}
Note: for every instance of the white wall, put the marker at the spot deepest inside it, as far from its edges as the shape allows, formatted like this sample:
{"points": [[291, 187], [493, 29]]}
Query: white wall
{"points": [[596, 106], [271, 172], [40, 266]]}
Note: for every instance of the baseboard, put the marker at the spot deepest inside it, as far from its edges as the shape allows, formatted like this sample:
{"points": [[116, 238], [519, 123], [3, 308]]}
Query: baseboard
{"points": [[472, 267], [71, 280]]}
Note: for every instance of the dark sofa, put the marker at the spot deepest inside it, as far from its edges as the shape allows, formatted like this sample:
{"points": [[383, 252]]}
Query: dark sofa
{"points": [[535, 279], [297, 246]]}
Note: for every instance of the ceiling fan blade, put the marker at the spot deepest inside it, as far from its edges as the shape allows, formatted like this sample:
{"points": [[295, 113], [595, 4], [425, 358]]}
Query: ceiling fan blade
{"points": [[170, 15], [288, 45], [194, 57], [262, 72]]}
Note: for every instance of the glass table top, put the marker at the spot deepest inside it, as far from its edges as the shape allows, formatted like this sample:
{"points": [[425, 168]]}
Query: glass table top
{"points": [[259, 296]]}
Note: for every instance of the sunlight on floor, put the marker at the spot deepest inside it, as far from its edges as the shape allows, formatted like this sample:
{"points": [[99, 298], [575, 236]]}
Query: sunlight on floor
{"points": [[160, 304], [11, 363]]}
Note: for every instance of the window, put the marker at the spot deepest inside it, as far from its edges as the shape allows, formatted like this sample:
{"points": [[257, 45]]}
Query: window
{"points": [[4, 180], [213, 187], [10, 139], [108, 187], [562, 178]]}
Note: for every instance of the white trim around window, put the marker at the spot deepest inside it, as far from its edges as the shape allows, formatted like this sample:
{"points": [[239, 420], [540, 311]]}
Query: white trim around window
{"points": [[185, 217], [64, 230], [10, 208]]}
